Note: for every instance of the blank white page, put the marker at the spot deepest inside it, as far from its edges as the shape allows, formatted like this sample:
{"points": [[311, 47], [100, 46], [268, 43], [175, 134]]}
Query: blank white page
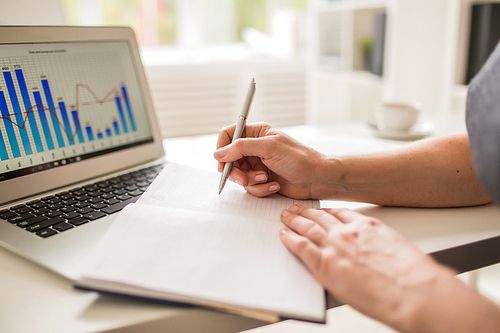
{"points": [[185, 187], [203, 258]]}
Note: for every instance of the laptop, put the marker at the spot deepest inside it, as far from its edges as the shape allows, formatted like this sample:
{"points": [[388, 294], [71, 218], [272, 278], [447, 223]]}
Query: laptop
{"points": [[78, 138]]}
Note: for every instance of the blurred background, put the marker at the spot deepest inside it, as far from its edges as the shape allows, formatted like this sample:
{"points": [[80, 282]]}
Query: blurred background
{"points": [[315, 61]]}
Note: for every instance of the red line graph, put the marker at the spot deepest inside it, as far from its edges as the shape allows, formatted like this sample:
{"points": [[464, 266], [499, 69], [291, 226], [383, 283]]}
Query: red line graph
{"points": [[109, 97]]}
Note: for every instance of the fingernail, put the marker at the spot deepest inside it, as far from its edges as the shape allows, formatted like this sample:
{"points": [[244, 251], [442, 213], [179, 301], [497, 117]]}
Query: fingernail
{"points": [[285, 213], [283, 231], [294, 208], [220, 153], [260, 178], [274, 188], [239, 182]]}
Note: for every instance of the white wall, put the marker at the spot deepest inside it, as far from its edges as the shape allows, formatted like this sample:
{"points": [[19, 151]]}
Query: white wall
{"points": [[31, 12], [416, 62]]}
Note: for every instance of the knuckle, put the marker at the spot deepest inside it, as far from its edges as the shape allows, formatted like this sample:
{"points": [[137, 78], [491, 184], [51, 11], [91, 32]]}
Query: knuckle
{"points": [[349, 234], [301, 244]]}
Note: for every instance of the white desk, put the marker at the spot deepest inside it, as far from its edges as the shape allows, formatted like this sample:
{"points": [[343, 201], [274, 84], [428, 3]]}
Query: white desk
{"points": [[34, 299]]}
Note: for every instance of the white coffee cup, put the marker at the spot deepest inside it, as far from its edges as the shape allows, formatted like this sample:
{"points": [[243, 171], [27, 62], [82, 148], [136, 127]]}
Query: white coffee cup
{"points": [[397, 115]]}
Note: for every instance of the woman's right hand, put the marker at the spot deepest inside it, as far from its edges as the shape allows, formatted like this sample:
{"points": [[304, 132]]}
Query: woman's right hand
{"points": [[267, 161]]}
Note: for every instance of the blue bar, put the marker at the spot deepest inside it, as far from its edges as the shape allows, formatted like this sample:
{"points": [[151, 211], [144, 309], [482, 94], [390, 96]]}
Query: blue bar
{"points": [[129, 109], [122, 116], [3, 149], [67, 126], [53, 115], [108, 132], [17, 111], [43, 120], [117, 129], [74, 114], [99, 135], [29, 110], [8, 126], [89, 133]]}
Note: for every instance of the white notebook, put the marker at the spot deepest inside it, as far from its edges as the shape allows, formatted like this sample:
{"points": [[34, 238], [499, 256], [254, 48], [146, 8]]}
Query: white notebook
{"points": [[183, 242]]}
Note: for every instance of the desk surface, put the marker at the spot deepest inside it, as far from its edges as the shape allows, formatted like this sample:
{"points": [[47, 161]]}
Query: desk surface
{"points": [[35, 299]]}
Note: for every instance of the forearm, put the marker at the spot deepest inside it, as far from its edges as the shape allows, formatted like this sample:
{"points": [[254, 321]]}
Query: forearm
{"points": [[430, 173], [446, 304]]}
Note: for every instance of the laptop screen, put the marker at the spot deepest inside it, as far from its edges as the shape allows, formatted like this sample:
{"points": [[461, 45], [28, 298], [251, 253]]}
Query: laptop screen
{"points": [[62, 103]]}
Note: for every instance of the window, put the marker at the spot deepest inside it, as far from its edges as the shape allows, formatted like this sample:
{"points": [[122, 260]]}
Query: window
{"points": [[187, 23]]}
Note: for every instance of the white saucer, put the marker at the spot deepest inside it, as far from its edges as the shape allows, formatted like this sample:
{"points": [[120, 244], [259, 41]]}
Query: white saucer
{"points": [[416, 132]]}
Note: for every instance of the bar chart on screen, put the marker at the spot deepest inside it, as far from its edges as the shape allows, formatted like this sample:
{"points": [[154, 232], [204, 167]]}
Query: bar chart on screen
{"points": [[35, 120]]}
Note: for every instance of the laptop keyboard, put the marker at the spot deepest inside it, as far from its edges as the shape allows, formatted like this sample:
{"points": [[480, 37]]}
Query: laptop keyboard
{"points": [[54, 214]]}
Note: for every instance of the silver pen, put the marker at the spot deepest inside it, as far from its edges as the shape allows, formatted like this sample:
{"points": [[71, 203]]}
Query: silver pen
{"points": [[240, 126]]}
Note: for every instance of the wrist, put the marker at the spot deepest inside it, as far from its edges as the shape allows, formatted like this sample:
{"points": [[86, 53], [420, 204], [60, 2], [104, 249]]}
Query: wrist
{"points": [[446, 304], [329, 179]]}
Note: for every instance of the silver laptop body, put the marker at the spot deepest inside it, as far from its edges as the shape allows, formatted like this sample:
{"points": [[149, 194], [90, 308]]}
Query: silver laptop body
{"points": [[75, 110]]}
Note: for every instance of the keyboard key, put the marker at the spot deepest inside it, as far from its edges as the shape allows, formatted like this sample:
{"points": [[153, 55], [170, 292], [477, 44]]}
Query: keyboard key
{"points": [[108, 196], [144, 184], [55, 206], [32, 220], [53, 200], [136, 192], [69, 202], [91, 187], [79, 191], [118, 206], [67, 196], [78, 221], [24, 209], [95, 193], [111, 201], [67, 209], [94, 215], [85, 210], [44, 224], [131, 187], [53, 213], [20, 218], [7, 215], [46, 233], [62, 226], [107, 189], [120, 192], [40, 204], [40, 211], [70, 215], [82, 204], [103, 183], [123, 197], [95, 200], [98, 205], [82, 197]]}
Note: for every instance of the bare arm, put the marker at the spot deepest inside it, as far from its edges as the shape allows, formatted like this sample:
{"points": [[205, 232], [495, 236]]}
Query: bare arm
{"points": [[437, 172]]}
